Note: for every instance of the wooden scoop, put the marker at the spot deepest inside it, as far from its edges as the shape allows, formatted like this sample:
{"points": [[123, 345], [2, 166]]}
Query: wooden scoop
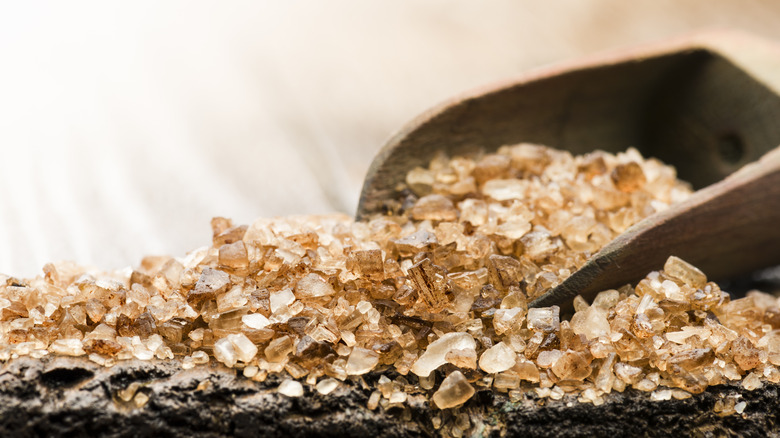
{"points": [[707, 103]]}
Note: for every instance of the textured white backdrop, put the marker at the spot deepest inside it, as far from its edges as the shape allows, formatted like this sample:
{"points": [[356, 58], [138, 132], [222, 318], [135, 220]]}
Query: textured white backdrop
{"points": [[124, 127]]}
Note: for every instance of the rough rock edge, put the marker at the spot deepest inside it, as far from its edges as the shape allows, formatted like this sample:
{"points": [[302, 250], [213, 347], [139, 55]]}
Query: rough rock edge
{"points": [[58, 396]]}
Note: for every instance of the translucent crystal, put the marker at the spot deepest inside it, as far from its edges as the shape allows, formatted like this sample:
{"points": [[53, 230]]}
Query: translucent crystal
{"points": [[279, 348], [95, 309], [505, 189], [746, 355], [361, 361], [752, 382], [281, 299], [255, 320], [628, 177], [211, 282], [415, 242], [572, 365], [225, 352], [370, 264], [310, 286], [326, 386], [431, 283], [508, 320], [466, 358], [67, 347], [435, 355], [453, 391], [491, 167], [234, 255], [245, 350], [497, 358], [290, 388], [685, 272], [545, 319], [591, 322], [434, 207]]}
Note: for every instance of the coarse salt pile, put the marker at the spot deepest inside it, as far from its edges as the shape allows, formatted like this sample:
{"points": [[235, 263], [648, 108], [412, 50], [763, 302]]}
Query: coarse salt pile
{"points": [[436, 295]]}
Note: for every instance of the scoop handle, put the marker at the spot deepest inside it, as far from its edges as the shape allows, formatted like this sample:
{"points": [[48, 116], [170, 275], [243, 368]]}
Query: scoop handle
{"points": [[729, 228]]}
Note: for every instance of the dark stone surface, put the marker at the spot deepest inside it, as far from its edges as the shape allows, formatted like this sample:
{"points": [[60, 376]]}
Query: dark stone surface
{"points": [[74, 397]]}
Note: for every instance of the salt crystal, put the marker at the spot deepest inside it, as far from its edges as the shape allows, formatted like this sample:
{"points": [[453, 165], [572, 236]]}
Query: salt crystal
{"points": [[279, 348], [67, 347], [281, 299], [685, 272], [740, 407], [497, 358], [661, 395], [251, 371], [140, 399], [672, 290], [435, 355], [128, 392], [591, 322], [491, 167], [255, 320], [244, 348], [431, 283], [627, 373], [752, 382], [572, 365], [95, 310], [361, 361], [326, 386], [453, 391], [507, 380], [417, 241], [513, 229], [746, 355], [543, 319], [508, 320], [466, 358], [397, 397], [210, 283], [434, 207], [628, 177], [370, 264], [311, 286], [505, 189], [225, 352], [373, 400], [234, 255], [233, 298], [200, 357], [290, 388]]}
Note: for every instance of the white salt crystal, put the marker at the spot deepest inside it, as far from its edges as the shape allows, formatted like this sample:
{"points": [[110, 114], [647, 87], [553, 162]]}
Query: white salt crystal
{"points": [[67, 347], [497, 358], [361, 361], [327, 386], [244, 348], [281, 299], [435, 354], [312, 285], [225, 352], [255, 320], [291, 388]]}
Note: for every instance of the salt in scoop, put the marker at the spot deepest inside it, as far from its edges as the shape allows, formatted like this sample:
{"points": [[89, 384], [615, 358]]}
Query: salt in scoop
{"points": [[707, 103]]}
